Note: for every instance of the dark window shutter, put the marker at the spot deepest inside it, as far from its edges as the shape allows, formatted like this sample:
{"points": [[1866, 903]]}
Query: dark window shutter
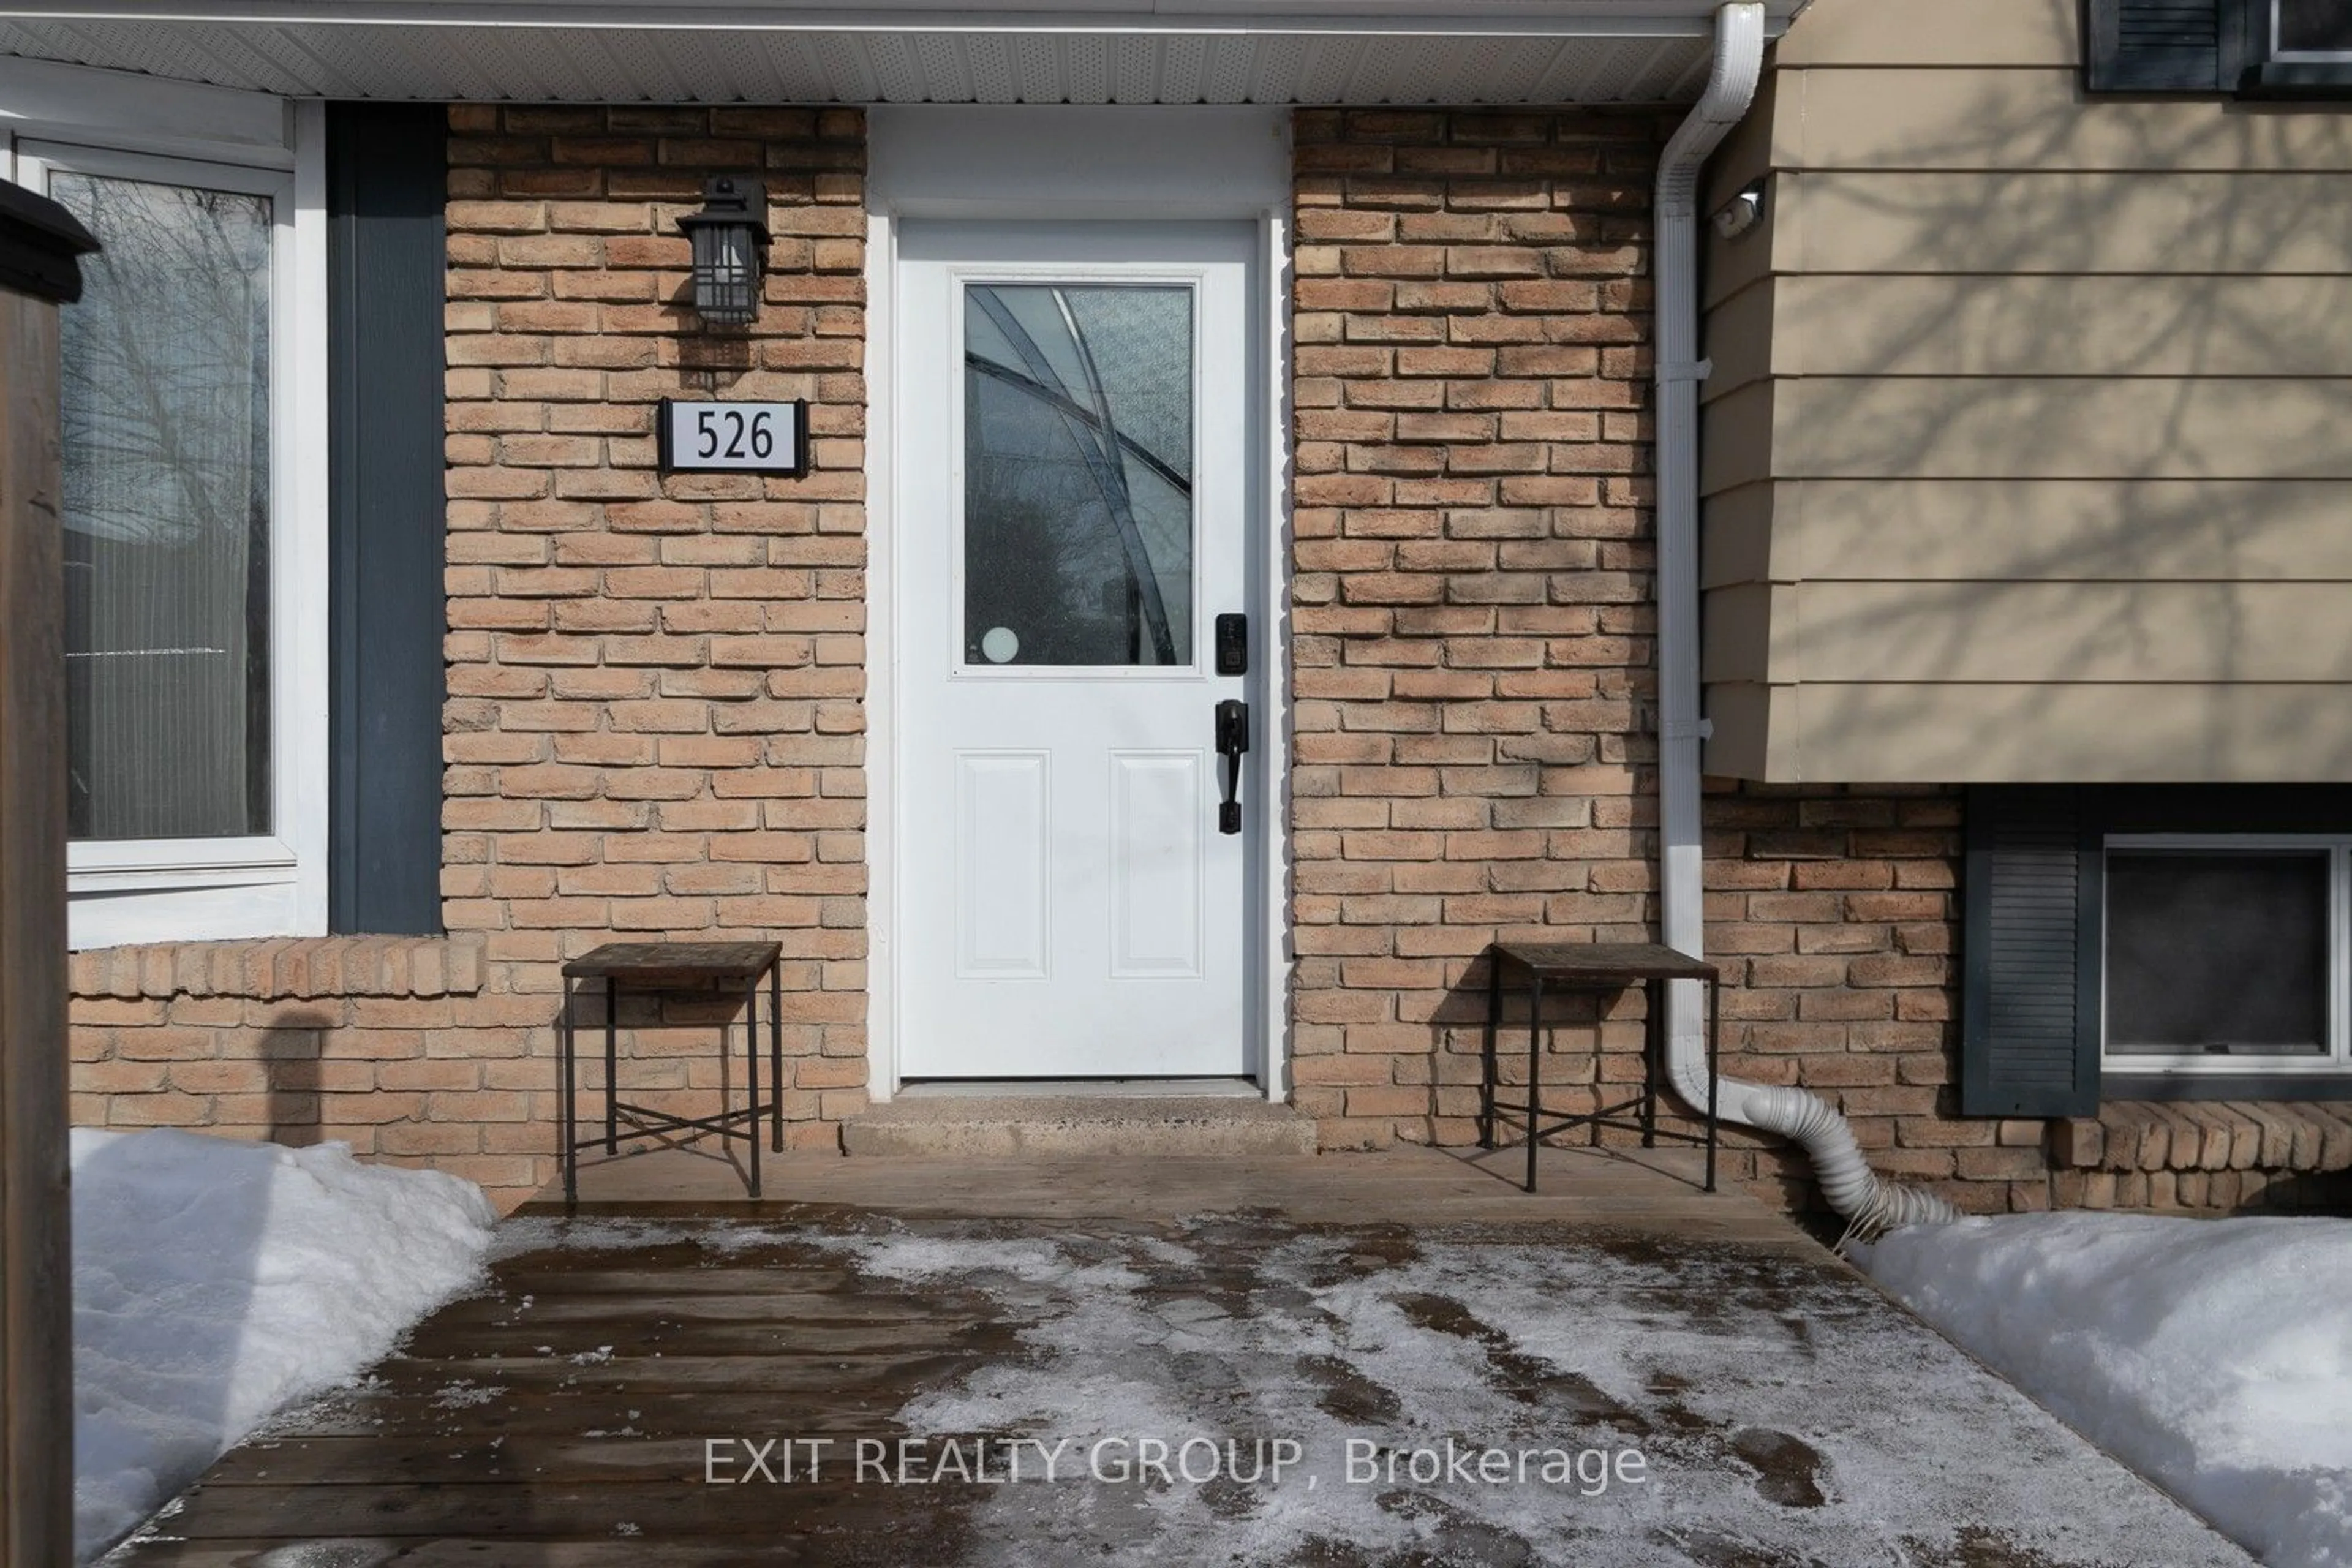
{"points": [[2156, 45], [2028, 1012], [387, 181]]}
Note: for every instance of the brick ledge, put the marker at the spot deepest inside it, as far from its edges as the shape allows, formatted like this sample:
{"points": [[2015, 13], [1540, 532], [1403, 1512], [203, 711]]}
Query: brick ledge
{"points": [[285, 968], [2208, 1135]]}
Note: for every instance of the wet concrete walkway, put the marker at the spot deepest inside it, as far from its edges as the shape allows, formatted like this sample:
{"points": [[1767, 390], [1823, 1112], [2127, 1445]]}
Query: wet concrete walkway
{"points": [[1307, 1378]]}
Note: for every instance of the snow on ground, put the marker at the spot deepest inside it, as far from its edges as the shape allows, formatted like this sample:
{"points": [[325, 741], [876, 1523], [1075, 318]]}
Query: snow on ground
{"points": [[1783, 1412], [2214, 1356], [216, 1281]]}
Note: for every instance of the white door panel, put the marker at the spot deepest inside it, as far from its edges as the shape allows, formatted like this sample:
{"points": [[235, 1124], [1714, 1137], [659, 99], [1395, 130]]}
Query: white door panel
{"points": [[1003, 865], [1073, 486], [1160, 809]]}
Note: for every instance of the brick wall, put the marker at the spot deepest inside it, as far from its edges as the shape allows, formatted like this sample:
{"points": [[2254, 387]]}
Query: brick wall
{"points": [[1836, 913], [1472, 595], [2208, 1154], [655, 722], [296, 1040], [655, 691], [1835, 916], [656, 686], [1475, 690]]}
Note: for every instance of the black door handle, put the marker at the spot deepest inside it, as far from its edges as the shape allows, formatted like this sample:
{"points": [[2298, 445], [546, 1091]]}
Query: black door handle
{"points": [[1233, 741]]}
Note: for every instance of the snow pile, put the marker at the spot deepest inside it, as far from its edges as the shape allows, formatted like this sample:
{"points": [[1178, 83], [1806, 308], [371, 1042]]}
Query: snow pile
{"points": [[216, 1281], [2214, 1356]]}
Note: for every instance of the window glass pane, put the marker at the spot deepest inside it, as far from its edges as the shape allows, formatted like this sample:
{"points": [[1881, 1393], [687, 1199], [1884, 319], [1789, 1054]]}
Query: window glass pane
{"points": [[1077, 473], [2217, 954], [166, 425], [2315, 26]]}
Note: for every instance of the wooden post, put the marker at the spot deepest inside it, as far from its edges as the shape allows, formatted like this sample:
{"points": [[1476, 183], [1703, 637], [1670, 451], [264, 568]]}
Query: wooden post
{"points": [[38, 243]]}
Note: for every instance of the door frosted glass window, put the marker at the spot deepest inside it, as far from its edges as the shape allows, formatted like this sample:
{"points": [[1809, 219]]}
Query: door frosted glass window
{"points": [[166, 488], [2217, 954], [1078, 503]]}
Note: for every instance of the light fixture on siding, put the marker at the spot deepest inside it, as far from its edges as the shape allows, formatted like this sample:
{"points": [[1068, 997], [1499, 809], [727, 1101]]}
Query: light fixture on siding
{"points": [[1740, 213], [729, 240]]}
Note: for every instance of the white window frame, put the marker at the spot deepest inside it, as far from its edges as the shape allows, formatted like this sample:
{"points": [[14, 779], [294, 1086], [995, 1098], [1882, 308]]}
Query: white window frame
{"points": [[185, 889], [2338, 1060]]}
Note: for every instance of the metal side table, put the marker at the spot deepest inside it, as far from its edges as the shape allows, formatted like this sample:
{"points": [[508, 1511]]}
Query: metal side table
{"points": [[662, 968], [1598, 967]]}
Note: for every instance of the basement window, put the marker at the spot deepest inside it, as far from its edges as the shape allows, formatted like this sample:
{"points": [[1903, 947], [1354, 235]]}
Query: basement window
{"points": [[2311, 30], [2299, 48], [2226, 954]]}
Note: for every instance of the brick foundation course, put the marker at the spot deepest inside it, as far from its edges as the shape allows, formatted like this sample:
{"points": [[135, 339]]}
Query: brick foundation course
{"points": [[295, 1040], [2207, 1155]]}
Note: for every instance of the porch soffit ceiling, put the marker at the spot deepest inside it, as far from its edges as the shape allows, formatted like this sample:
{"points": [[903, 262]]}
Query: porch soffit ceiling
{"points": [[887, 51]]}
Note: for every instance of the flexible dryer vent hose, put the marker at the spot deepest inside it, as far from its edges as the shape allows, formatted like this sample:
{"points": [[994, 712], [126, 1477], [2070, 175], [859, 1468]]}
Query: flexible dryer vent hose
{"points": [[1870, 1205]]}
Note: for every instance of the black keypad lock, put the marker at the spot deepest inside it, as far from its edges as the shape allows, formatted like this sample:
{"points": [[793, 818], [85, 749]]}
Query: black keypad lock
{"points": [[1233, 644]]}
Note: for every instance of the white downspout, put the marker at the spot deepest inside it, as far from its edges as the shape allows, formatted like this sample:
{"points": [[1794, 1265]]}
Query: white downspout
{"points": [[1868, 1205]]}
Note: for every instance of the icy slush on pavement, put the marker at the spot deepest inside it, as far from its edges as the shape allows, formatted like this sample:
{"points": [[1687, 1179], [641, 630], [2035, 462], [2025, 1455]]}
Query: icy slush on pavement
{"points": [[1783, 1412]]}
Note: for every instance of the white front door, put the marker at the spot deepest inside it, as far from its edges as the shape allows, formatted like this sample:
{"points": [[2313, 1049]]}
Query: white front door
{"points": [[1074, 503]]}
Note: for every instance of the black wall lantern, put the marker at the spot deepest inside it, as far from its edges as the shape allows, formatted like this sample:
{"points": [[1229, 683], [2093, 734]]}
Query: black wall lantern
{"points": [[729, 237]]}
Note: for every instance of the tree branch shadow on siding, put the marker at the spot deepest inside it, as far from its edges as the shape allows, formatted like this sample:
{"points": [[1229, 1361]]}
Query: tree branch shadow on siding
{"points": [[2189, 498]]}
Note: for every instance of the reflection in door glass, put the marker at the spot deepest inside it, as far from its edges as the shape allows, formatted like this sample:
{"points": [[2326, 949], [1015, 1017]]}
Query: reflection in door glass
{"points": [[1078, 508]]}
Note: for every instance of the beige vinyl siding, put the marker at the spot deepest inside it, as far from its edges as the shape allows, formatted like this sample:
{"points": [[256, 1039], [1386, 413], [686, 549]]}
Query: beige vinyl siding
{"points": [[1902, 120], [1735, 443], [2029, 733], [2027, 446], [2021, 222], [2010, 529], [2193, 325], [1882, 32], [2056, 427], [2135, 634]]}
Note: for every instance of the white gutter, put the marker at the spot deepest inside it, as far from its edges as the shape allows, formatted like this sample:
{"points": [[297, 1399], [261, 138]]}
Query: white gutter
{"points": [[1509, 18], [1868, 1205]]}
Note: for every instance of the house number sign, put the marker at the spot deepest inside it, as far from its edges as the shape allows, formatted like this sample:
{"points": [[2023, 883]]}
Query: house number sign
{"points": [[732, 438]]}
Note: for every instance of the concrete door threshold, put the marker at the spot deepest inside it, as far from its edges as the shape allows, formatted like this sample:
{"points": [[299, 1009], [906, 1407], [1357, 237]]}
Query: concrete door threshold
{"points": [[998, 1124], [1081, 1088]]}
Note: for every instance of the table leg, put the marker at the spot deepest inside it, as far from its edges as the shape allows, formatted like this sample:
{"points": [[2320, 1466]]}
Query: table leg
{"points": [[751, 1075], [1487, 1079], [611, 1066], [1535, 1073], [1714, 1068], [776, 1050], [567, 1152], [1654, 1036]]}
